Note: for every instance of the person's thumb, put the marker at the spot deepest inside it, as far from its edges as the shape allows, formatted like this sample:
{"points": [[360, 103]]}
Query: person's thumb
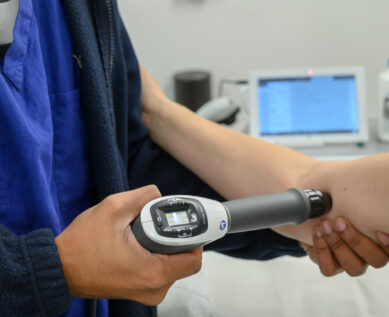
{"points": [[126, 206]]}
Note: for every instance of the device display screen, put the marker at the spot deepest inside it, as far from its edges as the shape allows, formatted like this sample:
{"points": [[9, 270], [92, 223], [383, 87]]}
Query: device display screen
{"points": [[176, 218], [308, 105]]}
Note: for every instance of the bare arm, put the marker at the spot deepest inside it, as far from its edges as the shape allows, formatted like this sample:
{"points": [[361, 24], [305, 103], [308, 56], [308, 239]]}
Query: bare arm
{"points": [[237, 165], [234, 164]]}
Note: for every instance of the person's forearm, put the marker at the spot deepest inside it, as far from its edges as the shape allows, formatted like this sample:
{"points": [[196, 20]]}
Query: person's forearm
{"points": [[236, 165]]}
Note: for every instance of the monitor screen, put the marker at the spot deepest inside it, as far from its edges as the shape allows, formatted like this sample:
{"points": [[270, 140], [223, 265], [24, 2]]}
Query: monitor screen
{"points": [[308, 105]]}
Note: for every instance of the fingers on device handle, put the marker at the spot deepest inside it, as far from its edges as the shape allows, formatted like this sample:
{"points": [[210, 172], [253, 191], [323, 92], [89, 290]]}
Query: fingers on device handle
{"points": [[183, 265], [350, 261], [363, 246], [383, 239], [328, 265]]}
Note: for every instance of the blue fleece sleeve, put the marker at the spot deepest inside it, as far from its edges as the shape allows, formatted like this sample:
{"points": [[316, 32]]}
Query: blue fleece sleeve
{"points": [[32, 282], [152, 165]]}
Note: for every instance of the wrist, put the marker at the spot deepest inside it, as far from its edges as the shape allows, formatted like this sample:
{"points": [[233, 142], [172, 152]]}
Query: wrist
{"points": [[67, 265], [43, 266], [316, 176]]}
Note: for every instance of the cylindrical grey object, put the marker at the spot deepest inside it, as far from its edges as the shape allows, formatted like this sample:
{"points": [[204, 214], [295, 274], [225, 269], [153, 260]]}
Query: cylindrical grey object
{"points": [[192, 88], [291, 207]]}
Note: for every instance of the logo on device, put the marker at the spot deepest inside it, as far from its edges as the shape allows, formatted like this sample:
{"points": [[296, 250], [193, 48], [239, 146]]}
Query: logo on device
{"points": [[223, 225]]}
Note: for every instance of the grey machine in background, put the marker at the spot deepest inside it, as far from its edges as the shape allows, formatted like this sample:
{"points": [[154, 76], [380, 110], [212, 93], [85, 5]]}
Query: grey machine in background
{"points": [[8, 12], [177, 224], [193, 90], [219, 110]]}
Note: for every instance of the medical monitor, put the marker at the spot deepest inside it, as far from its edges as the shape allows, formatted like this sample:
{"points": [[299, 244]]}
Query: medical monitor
{"points": [[309, 106]]}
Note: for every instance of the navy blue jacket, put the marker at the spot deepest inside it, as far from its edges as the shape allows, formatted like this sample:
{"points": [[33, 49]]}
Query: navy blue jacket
{"points": [[123, 157]]}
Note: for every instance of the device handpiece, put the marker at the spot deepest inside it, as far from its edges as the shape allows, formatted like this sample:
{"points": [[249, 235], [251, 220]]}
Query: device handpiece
{"points": [[176, 224], [292, 207]]}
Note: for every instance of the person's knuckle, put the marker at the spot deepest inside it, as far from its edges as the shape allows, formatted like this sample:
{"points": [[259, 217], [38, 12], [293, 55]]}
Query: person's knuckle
{"points": [[152, 190], [143, 195], [353, 240], [321, 249], [113, 202], [335, 243]]}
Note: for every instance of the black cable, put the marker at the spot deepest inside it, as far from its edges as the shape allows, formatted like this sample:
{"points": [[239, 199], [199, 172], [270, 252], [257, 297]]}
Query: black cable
{"points": [[92, 308], [222, 82], [3, 49]]}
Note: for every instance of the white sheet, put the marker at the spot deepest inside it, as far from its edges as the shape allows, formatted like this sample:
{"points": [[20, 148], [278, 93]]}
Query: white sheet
{"points": [[292, 287], [284, 287], [187, 298]]}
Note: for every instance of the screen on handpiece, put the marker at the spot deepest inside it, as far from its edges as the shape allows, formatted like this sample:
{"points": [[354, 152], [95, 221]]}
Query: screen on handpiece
{"points": [[176, 218]]}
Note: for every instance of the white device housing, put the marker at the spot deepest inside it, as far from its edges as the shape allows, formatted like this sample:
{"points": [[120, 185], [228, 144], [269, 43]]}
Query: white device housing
{"points": [[310, 139], [8, 14], [216, 214], [383, 107], [217, 109]]}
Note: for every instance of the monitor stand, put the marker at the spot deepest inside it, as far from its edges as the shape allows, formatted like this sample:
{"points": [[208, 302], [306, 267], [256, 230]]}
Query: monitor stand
{"points": [[303, 145]]}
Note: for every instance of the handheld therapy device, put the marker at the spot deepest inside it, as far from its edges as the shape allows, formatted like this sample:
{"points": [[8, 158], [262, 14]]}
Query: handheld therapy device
{"points": [[177, 224]]}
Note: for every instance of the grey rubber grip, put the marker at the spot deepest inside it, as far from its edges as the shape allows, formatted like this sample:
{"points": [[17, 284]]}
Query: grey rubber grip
{"points": [[291, 207]]}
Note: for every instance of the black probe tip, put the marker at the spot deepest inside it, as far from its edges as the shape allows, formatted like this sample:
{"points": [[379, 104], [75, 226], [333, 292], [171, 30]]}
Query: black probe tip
{"points": [[327, 202], [320, 202]]}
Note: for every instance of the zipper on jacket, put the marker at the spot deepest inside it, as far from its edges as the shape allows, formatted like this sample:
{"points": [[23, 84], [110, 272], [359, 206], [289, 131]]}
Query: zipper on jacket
{"points": [[108, 6]]}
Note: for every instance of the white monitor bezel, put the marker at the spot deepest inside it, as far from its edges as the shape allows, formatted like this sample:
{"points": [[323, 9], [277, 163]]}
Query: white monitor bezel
{"points": [[311, 139]]}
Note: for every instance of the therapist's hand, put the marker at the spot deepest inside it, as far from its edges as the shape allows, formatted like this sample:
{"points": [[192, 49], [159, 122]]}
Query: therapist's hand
{"points": [[340, 247], [102, 259]]}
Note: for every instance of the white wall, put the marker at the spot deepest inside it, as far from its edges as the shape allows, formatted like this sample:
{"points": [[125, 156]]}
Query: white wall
{"points": [[232, 37]]}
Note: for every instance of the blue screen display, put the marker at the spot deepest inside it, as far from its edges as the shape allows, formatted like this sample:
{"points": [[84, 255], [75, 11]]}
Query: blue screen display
{"points": [[309, 105]]}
